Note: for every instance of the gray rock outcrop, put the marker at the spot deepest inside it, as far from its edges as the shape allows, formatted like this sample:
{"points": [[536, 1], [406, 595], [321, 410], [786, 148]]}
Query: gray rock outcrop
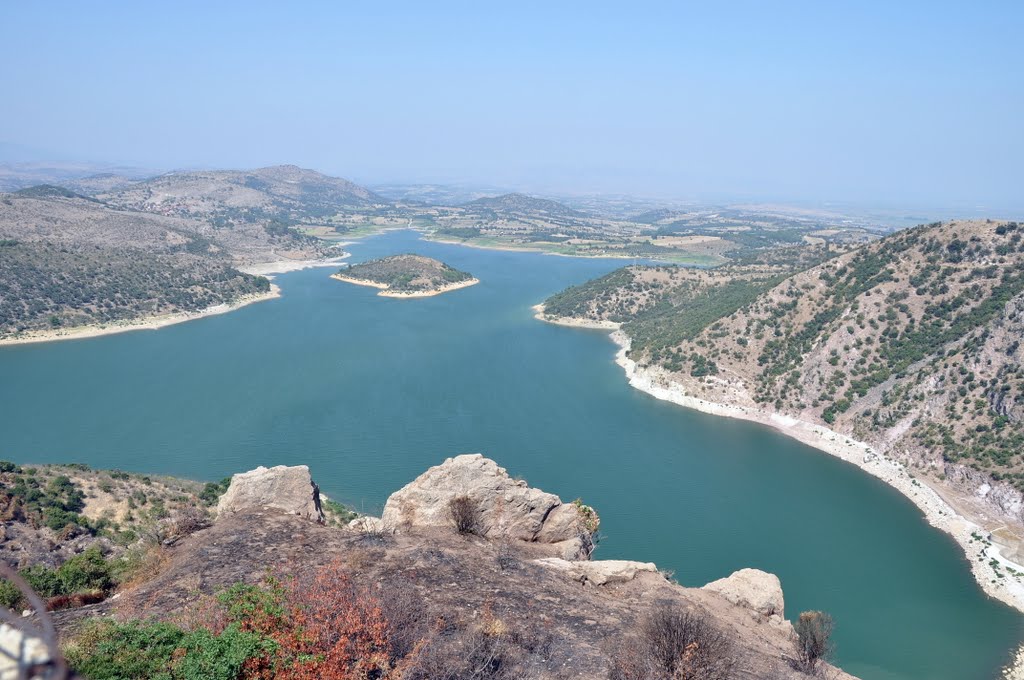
{"points": [[282, 487], [504, 506], [599, 572], [754, 589]]}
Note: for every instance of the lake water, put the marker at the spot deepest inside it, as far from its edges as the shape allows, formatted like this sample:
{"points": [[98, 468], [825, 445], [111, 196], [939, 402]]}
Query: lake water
{"points": [[371, 391]]}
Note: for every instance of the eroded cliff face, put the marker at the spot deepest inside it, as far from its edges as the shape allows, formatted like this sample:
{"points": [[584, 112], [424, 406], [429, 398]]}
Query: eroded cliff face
{"points": [[508, 581]]}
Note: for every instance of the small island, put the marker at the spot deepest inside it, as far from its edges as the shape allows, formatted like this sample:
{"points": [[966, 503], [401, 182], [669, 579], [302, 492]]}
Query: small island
{"points": [[406, 276]]}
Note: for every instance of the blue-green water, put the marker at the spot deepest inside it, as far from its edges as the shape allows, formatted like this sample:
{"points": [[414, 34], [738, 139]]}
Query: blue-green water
{"points": [[370, 391]]}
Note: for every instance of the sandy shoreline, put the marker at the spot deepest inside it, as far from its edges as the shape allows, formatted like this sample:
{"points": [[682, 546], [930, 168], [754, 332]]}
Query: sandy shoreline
{"points": [[938, 512], [385, 292], [268, 269], [141, 324]]}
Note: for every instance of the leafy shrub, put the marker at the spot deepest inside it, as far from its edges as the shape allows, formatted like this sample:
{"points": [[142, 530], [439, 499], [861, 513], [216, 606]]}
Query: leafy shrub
{"points": [[212, 492], [87, 571], [10, 596], [42, 579], [140, 650]]}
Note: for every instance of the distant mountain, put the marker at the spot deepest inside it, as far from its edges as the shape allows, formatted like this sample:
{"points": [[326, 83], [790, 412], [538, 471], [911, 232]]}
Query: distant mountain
{"points": [[522, 205], [434, 194], [48, 191], [18, 175], [657, 215], [100, 183], [284, 193]]}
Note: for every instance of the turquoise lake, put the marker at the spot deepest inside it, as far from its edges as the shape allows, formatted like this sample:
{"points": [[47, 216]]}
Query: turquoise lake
{"points": [[371, 391]]}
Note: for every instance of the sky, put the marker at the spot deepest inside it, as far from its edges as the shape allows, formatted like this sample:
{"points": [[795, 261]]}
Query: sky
{"points": [[905, 103]]}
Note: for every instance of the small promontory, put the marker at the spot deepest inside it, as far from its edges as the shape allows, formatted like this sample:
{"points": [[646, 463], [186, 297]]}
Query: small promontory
{"points": [[406, 276], [469, 572]]}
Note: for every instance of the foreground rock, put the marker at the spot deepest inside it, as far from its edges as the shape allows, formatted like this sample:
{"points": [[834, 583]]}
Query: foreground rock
{"points": [[281, 487], [571, 628], [542, 616], [503, 506], [754, 589]]}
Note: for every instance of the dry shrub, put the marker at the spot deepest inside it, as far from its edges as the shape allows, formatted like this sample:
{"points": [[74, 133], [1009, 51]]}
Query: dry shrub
{"points": [[185, 522], [325, 628], [361, 558], [465, 515], [329, 629], [506, 556], [486, 650], [813, 640], [58, 602], [142, 563], [675, 644], [409, 623]]}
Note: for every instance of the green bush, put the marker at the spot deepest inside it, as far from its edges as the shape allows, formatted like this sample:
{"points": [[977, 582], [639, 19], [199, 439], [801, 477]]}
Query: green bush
{"points": [[42, 579], [161, 651], [212, 492], [88, 571], [10, 596]]}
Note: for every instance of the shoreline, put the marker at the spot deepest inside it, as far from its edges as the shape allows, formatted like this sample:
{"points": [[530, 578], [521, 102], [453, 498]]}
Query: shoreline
{"points": [[270, 269], [655, 382], [154, 322], [385, 292], [140, 324], [541, 251]]}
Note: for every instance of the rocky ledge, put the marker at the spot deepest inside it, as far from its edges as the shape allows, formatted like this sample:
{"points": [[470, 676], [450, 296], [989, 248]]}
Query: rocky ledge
{"points": [[521, 576]]}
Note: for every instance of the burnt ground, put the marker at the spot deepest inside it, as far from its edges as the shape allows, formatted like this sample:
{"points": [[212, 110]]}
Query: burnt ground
{"points": [[572, 627]]}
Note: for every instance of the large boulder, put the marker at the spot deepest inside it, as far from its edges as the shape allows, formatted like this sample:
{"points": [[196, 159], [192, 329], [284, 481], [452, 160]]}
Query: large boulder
{"points": [[503, 506], [282, 487], [754, 589]]}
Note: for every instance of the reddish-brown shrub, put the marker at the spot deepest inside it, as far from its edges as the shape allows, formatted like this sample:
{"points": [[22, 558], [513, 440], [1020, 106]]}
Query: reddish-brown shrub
{"points": [[335, 631]]}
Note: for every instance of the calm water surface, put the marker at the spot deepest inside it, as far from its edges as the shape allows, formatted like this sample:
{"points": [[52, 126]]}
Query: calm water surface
{"points": [[370, 391]]}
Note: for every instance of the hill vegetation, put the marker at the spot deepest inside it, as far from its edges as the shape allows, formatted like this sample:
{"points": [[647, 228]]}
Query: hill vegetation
{"points": [[68, 261], [912, 343], [406, 274]]}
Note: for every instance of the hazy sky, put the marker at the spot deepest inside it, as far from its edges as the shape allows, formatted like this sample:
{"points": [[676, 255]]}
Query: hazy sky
{"points": [[903, 102]]}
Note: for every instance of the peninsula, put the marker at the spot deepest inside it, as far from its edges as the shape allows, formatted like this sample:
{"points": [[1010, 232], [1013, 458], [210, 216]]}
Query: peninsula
{"points": [[406, 276]]}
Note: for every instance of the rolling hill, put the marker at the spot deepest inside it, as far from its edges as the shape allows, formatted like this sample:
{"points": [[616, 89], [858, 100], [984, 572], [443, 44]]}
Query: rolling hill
{"points": [[911, 343]]}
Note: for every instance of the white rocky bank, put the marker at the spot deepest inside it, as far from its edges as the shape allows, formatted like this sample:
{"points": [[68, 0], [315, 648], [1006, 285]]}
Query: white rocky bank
{"points": [[980, 551]]}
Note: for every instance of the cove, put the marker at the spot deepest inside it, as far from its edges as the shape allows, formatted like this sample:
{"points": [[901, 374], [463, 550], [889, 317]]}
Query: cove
{"points": [[371, 391]]}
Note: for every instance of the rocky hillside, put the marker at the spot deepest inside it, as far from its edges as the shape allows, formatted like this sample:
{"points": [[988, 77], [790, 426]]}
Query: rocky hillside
{"points": [[282, 195], [469, 573], [911, 343], [68, 260]]}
